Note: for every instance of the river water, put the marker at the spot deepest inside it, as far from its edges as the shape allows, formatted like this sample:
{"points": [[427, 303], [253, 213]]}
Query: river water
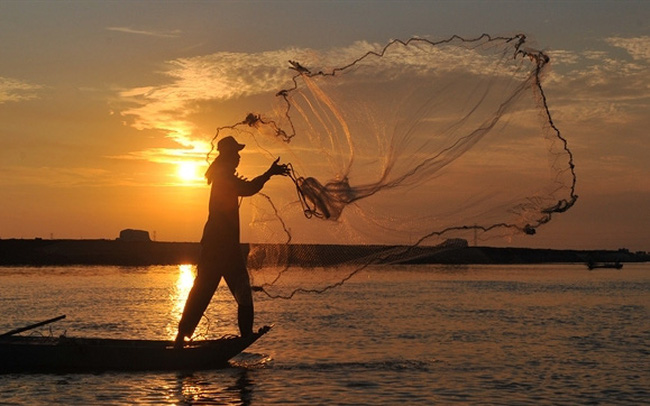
{"points": [[544, 334]]}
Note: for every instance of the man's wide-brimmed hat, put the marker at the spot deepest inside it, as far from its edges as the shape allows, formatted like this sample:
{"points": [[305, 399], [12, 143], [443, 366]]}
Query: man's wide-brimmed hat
{"points": [[229, 144]]}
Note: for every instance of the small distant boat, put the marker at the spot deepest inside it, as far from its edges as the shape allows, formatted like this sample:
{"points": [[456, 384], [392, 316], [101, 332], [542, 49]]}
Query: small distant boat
{"points": [[67, 354], [613, 265]]}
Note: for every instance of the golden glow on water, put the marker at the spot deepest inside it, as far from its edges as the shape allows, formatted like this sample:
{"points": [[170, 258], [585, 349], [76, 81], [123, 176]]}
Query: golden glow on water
{"points": [[178, 295], [536, 334], [186, 274]]}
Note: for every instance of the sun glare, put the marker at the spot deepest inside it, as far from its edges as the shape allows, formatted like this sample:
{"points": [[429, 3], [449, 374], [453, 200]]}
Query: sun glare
{"points": [[178, 295], [188, 171], [185, 280]]}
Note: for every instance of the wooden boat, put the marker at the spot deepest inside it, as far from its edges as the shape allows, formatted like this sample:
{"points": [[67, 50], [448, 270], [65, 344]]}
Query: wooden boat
{"points": [[67, 354], [612, 265]]}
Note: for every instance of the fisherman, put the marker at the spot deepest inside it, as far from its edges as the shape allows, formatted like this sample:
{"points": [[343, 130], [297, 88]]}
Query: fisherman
{"points": [[221, 255]]}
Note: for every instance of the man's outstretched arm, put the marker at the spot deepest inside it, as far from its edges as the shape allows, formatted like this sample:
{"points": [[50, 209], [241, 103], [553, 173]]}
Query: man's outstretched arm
{"points": [[250, 187]]}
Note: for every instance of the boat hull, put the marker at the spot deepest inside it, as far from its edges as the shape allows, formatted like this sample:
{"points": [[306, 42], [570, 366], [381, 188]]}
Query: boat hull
{"points": [[43, 354], [592, 265]]}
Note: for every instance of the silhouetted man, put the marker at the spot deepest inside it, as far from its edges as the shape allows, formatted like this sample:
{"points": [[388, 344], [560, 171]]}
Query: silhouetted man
{"points": [[221, 255]]}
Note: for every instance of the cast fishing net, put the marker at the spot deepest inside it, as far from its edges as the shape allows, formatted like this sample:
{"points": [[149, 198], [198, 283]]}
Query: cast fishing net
{"points": [[411, 145]]}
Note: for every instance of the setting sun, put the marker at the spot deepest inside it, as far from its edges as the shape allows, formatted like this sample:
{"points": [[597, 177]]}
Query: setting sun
{"points": [[188, 171]]}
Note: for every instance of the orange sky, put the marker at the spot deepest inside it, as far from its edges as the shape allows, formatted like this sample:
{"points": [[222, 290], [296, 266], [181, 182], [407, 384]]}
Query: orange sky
{"points": [[101, 103]]}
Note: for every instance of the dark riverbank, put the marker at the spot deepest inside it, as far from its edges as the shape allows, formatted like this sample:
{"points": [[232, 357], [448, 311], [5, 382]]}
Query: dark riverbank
{"points": [[40, 252]]}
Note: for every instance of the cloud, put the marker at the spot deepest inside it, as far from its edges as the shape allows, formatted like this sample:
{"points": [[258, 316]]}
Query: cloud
{"points": [[56, 176], [230, 77], [167, 155], [149, 33], [600, 99], [564, 57], [590, 86], [192, 82], [596, 84], [13, 90], [637, 47]]}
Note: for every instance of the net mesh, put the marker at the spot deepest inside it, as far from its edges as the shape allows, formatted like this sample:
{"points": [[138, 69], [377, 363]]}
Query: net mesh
{"points": [[414, 144]]}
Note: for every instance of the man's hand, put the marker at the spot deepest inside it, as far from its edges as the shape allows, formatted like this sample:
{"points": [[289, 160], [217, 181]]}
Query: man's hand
{"points": [[278, 169]]}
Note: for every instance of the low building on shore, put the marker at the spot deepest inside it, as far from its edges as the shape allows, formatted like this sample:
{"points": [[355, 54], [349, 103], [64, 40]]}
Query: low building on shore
{"points": [[134, 235]]}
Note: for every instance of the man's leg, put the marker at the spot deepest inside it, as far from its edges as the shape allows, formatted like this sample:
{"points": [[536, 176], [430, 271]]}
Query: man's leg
{"points": [[245, 317], [197, 301], [240, 287]]}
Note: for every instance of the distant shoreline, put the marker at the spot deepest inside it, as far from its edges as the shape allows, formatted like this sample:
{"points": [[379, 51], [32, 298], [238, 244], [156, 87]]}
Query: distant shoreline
{"points": [[40, 252]]}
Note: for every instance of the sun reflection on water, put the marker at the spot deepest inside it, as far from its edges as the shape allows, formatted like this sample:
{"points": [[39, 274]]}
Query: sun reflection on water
{"points": [[178, 295]]}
